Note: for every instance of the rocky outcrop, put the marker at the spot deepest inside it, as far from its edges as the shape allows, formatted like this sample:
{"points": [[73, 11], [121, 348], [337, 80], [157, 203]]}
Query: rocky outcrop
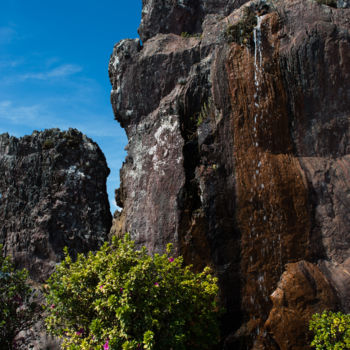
{"points": [[302, 291], [239, 154], [180, 16], [52, 195]]}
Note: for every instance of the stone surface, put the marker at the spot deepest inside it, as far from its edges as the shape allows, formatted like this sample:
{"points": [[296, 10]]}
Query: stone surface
{"points": [[52, 195], [239, 152], [302, 291], [180, 16], [343, 4]]}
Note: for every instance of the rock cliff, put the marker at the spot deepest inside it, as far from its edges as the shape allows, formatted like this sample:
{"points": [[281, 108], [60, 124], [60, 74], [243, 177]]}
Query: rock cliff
{"points": [[238, 121], [52, 195]]}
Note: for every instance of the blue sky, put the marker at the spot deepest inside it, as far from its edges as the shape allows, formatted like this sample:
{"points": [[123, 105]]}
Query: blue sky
{"points": [[54, 69]]}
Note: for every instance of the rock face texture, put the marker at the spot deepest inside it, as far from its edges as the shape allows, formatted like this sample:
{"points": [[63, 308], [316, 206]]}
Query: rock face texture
{"points": [[302, 291], [52, 195], [180, 16], [239, 154]]}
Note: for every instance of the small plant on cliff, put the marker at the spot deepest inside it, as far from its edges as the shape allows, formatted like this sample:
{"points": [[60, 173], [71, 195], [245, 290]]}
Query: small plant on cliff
{"points": [[188, 35], [242, 32], [332, 331], [122, 298], [185, 35], [206, 111], [48, 144], [73, 138], [17, 313]]}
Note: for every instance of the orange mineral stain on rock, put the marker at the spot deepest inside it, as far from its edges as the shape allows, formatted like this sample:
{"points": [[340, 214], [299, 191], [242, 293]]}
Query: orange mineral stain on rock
{"points": [[302, 291], [272, 195]]}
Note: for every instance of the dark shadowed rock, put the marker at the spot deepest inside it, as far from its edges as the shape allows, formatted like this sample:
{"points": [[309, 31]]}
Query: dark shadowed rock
{"points": [[52, 195], [239, 143]]}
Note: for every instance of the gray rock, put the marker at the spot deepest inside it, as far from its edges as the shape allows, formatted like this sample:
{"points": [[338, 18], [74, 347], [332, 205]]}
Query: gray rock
{"points": [[343, 4], [53, 194]]}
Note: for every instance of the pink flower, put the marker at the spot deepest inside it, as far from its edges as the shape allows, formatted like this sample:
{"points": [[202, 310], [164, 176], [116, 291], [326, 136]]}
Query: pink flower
{"points": [[106, 346], [80, 331], [101, 286], [121, 290], [52, 306], [156, 284], [171, 259]]}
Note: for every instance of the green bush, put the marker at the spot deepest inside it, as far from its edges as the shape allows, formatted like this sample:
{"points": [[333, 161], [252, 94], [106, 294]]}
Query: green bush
{"points": [[17, 313], [332, 331], [121, 298]]}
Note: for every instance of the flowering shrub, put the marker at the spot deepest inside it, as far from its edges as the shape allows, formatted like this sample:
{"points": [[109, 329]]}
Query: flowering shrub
{"points": [[332, 331], [120, 298], [17, 313]]}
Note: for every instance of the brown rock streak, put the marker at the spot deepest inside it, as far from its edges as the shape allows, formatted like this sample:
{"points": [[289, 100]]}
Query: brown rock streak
{"points": [[271, 189]]}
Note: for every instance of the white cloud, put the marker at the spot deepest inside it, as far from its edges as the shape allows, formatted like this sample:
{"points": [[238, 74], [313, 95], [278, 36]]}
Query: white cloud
{"points": [[29, 117], [10, 63], [47, 115], [62, 71], [18, 114]]}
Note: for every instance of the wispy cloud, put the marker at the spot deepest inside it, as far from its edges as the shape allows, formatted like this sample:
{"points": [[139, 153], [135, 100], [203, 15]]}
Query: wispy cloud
{"points": [[32, 116], [7, 34], [62, 71], [18, 114], [10, 63], [47, 115]]}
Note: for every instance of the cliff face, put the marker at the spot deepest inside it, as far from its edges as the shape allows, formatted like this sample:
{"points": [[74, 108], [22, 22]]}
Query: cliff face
{"points": [[239, 154], [52, 195]]}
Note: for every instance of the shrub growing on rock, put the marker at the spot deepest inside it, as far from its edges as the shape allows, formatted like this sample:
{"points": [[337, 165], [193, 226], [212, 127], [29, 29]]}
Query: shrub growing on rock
{"points": [[122, 298], [17, 312], [332, 331]]}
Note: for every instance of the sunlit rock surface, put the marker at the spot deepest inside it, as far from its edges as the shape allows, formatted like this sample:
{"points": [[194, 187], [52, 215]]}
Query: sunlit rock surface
{"points": [[239, 154]]}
